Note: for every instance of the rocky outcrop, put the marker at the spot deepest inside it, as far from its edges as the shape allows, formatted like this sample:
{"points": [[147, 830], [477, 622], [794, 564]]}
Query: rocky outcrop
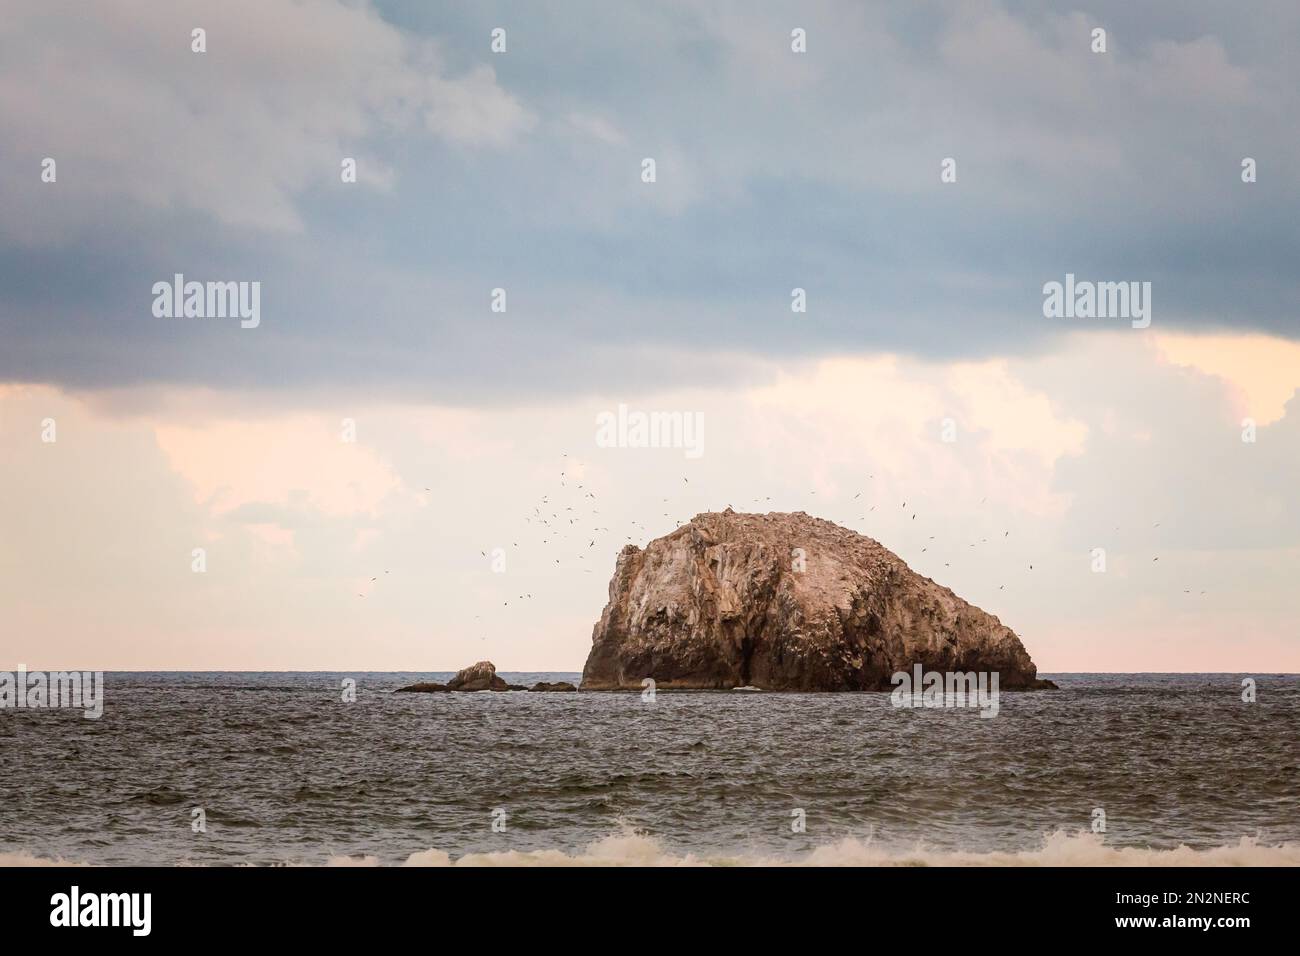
{"points": [[476, 677], [480, 676], [562, 685], [785, 602]]}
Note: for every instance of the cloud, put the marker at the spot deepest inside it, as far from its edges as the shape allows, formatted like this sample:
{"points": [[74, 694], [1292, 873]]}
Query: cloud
{"points": [[521, 171], [285, 91], [298, 460], [597, 128], [1263, 371], [1165, 465]]}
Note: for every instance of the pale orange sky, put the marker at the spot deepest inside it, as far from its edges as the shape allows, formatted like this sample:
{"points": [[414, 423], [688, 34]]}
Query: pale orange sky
{"points": [[100, 525]]}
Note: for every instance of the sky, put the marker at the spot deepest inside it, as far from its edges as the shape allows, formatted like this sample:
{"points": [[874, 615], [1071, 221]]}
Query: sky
{"points": [[357, 481]]}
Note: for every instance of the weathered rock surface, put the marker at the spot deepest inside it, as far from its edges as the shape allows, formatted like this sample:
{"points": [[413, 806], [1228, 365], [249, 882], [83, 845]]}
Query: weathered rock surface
{"points": [[480, 676], [722, 603], [558, 685]]}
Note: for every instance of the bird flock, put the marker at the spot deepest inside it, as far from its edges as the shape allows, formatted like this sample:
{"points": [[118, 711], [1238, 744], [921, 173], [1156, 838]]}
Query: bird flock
{"points": [[564, 528]]}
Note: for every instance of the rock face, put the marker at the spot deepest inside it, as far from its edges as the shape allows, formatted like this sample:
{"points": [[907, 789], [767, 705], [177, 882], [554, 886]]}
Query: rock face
{"points": [[480, 676], [785, 602], [558, 685]]}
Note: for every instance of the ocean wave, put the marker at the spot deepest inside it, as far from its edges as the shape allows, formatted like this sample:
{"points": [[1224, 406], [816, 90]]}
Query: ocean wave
{"points": [[29, 859], [638, 850], [1058, 849]]}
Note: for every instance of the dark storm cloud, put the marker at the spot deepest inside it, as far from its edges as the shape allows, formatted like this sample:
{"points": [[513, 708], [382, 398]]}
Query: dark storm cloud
{"points": [[521, 171]]}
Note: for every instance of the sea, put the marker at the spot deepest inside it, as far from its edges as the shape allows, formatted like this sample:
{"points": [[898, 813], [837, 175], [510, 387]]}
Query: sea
{"points": [[264, 769]]}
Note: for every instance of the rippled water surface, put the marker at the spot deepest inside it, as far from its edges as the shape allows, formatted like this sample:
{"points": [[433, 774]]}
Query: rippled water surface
{"points": [[285, 771]]}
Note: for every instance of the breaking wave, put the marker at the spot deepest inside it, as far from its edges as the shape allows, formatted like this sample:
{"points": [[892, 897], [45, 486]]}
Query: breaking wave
{"points": [[637, 850]]}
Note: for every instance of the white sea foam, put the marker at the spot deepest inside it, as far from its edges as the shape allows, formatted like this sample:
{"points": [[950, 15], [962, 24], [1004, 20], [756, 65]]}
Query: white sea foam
{"points": [[1058, 849], [28, 859], [633, 849]]}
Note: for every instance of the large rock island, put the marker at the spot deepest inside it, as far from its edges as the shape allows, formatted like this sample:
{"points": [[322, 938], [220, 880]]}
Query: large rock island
{"points": [[785, 602]]}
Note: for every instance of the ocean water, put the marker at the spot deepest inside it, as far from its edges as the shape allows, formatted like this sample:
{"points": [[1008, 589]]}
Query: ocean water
{"points": [[286, 772]]}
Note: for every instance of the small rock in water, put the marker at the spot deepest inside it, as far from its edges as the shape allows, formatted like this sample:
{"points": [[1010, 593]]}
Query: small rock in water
{"points": [[423, 688], [480, 676]]}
